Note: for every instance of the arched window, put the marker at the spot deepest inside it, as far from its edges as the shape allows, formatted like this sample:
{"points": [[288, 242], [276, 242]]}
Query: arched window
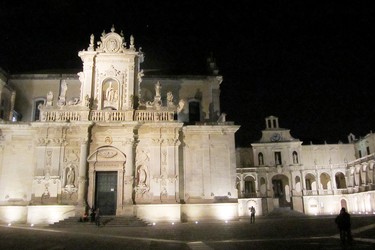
{"points": [[295, 157], [250, 187], [340, 180], [310, 182], [325, 181], [260, 159]]}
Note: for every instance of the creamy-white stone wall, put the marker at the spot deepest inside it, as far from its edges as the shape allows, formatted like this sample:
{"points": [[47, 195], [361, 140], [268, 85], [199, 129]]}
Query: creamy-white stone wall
{"points": [[209, 164]]}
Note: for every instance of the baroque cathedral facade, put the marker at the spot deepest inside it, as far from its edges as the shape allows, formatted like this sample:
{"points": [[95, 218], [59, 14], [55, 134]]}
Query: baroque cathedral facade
{"points": [[156, 147]]}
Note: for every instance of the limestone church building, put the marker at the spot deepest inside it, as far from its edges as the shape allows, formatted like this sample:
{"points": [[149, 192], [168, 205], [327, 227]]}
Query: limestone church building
{"points": [[115, 137]]}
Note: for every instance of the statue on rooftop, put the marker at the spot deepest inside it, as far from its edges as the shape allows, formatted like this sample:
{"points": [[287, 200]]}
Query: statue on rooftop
{"points": [[49, 99]]}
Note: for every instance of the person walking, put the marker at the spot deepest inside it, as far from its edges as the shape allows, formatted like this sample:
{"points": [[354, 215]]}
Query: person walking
{"points": [[252, 214], [97, 217], [344, 225], [92, 215]]}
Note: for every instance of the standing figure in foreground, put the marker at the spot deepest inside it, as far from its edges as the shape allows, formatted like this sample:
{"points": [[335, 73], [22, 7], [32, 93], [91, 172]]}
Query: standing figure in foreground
{"points": [[97, 217], [344, 224], [252, 214]]}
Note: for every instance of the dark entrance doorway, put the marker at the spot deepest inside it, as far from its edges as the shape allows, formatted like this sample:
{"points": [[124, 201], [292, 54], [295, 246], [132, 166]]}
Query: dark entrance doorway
{"points": [[281, 190], [106, 192]]}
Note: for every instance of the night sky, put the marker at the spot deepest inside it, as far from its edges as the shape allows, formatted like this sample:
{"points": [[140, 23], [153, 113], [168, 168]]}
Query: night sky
{"points": [[310, 63]]}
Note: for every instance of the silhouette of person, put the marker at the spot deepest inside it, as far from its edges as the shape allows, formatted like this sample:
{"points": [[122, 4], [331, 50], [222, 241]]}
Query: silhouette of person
{"points": [[252, 214], [92, 215], [97, 217], [344, 225]]}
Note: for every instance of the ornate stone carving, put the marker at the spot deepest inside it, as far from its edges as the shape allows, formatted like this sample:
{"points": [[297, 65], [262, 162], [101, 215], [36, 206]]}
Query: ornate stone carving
{"points": [[108, 140], [71, 155], [142, 173], [128, 180], [171, 141], [111, 42], [107, 153]]}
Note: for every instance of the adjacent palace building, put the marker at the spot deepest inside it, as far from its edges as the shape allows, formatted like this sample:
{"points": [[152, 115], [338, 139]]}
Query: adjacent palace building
{"points": [[158, 148]]}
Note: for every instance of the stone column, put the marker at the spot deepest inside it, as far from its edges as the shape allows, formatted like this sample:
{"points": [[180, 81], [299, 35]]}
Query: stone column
{"points": [[128, 178], [242, 185], [303, 182], [82, 178], [12, 102], [333, 181], [90, 193]]}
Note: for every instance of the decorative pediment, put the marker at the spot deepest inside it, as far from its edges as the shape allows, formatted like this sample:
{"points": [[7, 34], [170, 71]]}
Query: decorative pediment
{"points": [[111, 42], [107, 154]]}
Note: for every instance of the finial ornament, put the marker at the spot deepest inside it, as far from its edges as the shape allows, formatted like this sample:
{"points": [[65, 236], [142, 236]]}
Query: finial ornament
{"points": [[113, 28]]}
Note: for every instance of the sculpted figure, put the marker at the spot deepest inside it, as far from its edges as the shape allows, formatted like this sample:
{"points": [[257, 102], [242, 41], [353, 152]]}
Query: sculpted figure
{"points": [[169, 97], [49, 98], [142, 176], [157, 88], [181, 105], [70, 177], [109, 93], [64, 88]]}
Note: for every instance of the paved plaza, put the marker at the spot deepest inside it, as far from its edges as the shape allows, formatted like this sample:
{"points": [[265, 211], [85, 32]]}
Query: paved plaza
{"points": [[268, 232]]}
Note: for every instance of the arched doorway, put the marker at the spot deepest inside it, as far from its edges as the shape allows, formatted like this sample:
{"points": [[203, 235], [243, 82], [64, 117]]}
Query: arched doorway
{"points": [[281, 190], [340, 180], [106, 167], [344, 204]]}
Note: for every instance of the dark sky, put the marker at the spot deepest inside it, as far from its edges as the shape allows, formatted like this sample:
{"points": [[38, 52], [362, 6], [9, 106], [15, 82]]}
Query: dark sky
{"points": [[308, 62]]}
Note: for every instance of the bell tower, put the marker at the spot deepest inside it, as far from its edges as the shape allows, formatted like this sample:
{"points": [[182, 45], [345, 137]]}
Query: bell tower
{"points": [[111, 72]]}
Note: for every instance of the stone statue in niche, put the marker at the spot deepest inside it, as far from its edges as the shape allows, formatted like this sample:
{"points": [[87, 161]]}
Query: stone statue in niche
{"points": [[110, 95], [142, 176], [142, 185], [295, 158], [70, 175], [261, 160]]}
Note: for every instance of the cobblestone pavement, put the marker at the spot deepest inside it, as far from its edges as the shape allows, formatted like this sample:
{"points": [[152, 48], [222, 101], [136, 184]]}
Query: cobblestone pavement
{"points": [[282, 232]]}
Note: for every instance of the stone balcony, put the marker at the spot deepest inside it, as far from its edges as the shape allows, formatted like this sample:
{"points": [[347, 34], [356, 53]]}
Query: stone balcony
{"points": [[64, 115]]}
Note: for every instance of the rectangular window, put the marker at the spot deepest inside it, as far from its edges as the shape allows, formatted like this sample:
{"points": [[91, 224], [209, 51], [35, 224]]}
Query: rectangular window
{"points": [[278, 158], [359, 154], [368, 150]]}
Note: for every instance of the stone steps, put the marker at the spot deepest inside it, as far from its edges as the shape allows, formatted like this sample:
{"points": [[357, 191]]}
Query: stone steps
{"points": [[107, 221]]}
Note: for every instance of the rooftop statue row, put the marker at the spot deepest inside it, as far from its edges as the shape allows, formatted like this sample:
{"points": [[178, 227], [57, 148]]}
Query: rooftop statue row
{"points": [[74, 111]]}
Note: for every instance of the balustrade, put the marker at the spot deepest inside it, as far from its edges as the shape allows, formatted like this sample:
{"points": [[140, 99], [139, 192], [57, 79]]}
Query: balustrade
{"points": [[106, 115]]}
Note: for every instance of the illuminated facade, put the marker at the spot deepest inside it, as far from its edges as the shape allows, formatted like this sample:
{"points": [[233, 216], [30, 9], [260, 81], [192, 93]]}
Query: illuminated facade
{"points": [[116, 138], [278, 171]]}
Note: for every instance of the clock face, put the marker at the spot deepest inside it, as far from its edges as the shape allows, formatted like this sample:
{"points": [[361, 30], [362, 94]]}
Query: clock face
{"points": [[276, 137]]}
